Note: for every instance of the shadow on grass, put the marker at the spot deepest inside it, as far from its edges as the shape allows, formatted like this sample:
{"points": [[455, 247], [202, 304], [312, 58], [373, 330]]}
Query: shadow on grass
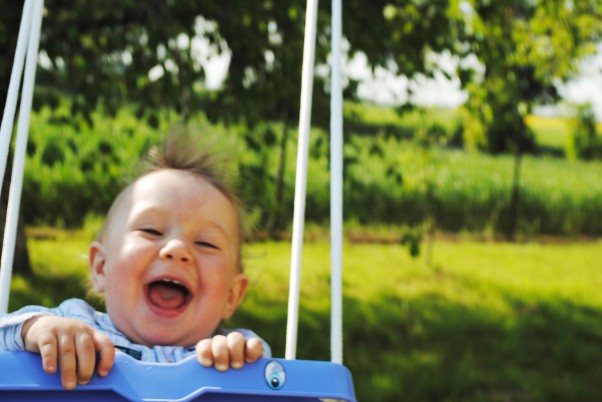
{"points": [[428, 349]]}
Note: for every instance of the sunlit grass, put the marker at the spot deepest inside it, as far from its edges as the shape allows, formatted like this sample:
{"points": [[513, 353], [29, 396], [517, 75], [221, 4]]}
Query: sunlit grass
{"points": [[51, 260], [385, 115], [552, 132]]}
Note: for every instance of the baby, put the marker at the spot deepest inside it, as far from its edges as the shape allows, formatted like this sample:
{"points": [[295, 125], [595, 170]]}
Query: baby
{"points": [[168, 262]]}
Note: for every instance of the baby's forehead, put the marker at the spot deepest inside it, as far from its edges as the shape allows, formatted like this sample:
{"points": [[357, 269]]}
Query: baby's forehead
{"points": [[164, 186], [169, 184]]}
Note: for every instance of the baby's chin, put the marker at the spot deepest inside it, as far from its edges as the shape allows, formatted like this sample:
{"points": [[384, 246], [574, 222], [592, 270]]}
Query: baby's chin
{"points": [[168, 338], [150, 332]]}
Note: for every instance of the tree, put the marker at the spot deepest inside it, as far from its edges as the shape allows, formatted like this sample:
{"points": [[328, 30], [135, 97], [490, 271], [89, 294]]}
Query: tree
{"points": [[584, 142], [147, 56], [400, 34], [102, 56], [265, 40], [144, 55], [526, 48]]}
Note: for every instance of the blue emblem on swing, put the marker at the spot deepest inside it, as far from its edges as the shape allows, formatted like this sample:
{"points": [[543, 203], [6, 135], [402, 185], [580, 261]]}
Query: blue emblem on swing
{"points": [[275, 375]]}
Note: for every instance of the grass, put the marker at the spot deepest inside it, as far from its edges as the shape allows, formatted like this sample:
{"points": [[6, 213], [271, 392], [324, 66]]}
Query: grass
{"points": [[489, 321], [366, 117], [470, 191], [551, 132], [485, 322]]}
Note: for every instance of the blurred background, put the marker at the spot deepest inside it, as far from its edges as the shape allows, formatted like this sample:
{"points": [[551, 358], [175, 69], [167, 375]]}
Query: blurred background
{"points": [[472, 174]]}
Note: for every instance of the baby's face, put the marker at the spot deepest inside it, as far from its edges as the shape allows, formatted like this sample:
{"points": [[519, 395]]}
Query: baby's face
{"points": [[168, 262]]}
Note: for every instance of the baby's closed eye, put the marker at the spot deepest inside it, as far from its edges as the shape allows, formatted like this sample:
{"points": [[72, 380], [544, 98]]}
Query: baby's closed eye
{"points": [[207, 244], [151, 231]]}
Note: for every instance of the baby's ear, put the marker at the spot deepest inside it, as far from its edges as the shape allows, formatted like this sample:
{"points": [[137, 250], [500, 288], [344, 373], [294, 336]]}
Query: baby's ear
{"points": [[238, 289], [97, 266]]}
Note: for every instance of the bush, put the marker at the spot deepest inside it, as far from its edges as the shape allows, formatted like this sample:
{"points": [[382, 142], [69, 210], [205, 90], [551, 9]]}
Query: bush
{"points": [[585, 143], [72, 172]]}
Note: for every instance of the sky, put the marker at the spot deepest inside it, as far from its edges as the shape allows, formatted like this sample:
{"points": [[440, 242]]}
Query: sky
{"points": [[588, 86], [384, 87]]}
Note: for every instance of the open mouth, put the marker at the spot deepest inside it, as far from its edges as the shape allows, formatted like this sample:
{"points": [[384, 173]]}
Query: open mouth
{"points": [[168, 294]]}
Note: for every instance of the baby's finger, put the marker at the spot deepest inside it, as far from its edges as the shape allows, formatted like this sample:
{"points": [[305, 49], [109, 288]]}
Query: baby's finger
{"points": [[219, 349], [106, 350], [85, 357], [253, 350], [48, 352], [67, 360], [236, 349], [204, 353]]}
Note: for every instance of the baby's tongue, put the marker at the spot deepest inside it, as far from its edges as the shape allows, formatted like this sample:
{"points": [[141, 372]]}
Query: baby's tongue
{"points": [[167, 295]]}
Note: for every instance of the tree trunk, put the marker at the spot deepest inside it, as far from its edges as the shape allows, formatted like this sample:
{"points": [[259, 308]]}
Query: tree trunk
{"points": [[514, 198], [275, 220]]}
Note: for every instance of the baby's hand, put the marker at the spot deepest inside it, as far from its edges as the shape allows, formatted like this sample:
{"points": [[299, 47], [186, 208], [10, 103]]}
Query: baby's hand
{"points": [[70, 342], [232, 350]]}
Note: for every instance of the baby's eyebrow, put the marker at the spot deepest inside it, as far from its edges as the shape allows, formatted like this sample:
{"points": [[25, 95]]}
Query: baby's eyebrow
{"points": [[146, 215], [219, 227]]}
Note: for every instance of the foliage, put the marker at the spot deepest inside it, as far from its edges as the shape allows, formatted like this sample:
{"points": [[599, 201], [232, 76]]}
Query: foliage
{"points": [[482, 324], [406, 30], [154, 55], [103, 55], [71, 172], [265, 41], [526, 48]]}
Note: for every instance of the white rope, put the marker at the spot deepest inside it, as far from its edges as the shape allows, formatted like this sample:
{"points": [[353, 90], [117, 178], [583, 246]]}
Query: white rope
{"points": [[8, 118], [336, 187], [301, 177], [16, 184]]}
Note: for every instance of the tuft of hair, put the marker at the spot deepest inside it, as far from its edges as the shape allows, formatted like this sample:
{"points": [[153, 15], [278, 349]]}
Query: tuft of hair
{"points": [[199, 155]]}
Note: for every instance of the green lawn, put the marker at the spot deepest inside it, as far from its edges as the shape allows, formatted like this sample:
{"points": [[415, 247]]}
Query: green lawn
{"points": [[551, 132], [486, 322], [381, 116]]}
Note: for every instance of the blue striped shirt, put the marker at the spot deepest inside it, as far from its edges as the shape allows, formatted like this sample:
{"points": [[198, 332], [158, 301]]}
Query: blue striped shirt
{"points": [[11, 326]]}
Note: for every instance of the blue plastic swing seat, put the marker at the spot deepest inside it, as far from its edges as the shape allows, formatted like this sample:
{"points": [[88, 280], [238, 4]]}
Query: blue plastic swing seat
{"points": [[23, 379]]}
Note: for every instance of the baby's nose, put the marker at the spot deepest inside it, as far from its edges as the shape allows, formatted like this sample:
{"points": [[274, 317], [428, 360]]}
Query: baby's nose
{"points": [[175, 250]]}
